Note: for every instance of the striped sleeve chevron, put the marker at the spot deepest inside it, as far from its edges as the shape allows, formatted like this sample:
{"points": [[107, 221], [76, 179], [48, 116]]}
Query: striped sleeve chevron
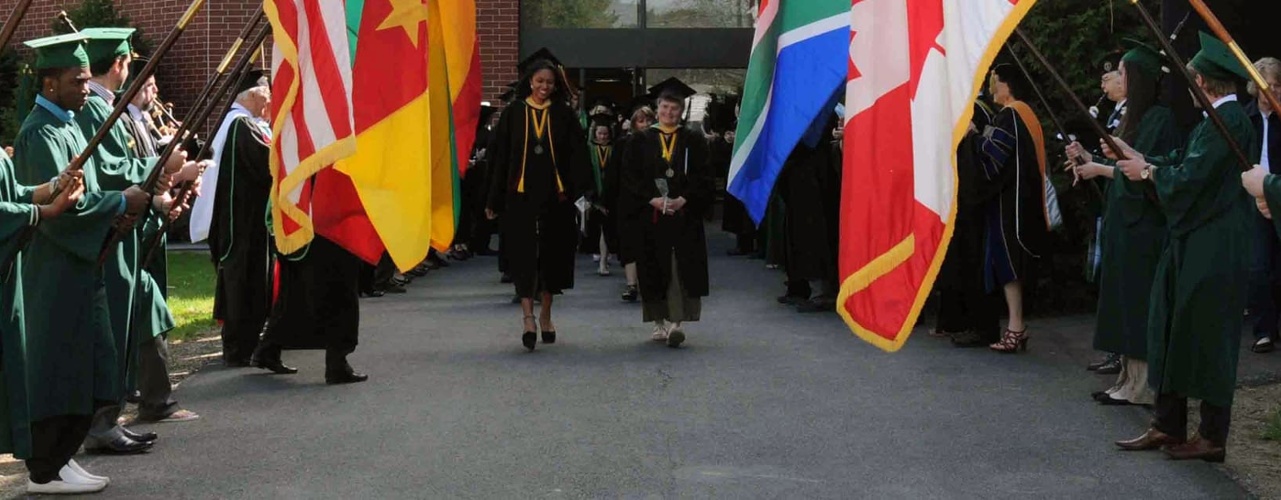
{"points": [[915, 68], [798, 61]]}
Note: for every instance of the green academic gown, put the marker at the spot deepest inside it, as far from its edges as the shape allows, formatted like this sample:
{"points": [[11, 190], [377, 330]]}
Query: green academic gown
{"points": [[71, 354], [15, 216], [1272, 193], [1133, 236], [127, 286], [1194, 326]]}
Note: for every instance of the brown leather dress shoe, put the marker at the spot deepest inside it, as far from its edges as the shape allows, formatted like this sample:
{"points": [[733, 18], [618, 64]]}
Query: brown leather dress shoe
{"points": [[1150, 440], [1197, 449]]}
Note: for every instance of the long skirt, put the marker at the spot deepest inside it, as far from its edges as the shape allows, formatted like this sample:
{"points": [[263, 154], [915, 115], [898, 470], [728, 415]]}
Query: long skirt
{"points": [[677, 307]]}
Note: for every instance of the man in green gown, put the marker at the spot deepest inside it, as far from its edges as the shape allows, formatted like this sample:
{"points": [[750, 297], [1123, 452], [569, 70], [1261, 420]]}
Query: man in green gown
{"points": [[1195, 321], [21, 209], [137, 308], [72, 366]]}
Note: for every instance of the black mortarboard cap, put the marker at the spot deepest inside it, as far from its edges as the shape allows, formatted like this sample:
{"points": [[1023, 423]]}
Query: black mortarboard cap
{"points": [[672, 86], [1110, 62], [135, 69], [603, 119], [255, 78], [540, 54]]}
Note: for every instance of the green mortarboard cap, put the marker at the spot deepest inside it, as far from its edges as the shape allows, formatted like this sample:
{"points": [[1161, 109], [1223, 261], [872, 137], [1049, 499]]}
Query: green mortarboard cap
{"points": [[1143, 57], [108, 43], [62, 51], [1215, 60], [1110, 62]]}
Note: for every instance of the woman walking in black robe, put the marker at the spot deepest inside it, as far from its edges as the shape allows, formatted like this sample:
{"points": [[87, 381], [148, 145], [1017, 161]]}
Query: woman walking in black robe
{"points": [[539, 166], [667, 167]]}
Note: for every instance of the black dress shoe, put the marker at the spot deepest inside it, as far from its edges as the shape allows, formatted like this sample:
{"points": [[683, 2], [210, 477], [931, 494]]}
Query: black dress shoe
{"points": [[373, 294], [345, 377], [970, 340], [529, 340], [275, 365], [791, 300], [120, 446], [817, 305], [549, 337], [141, 437], [394, 288], [1111, 368], [631, 294], [236, 362], [1111, 401], [1110, 358], [1099, 395]]}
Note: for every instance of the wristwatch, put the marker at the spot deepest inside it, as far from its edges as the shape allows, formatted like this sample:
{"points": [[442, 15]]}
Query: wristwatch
{"points": [[1146, 173]]}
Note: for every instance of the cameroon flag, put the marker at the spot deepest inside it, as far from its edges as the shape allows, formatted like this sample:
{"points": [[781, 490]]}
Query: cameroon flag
{"points": [[396, 126]]}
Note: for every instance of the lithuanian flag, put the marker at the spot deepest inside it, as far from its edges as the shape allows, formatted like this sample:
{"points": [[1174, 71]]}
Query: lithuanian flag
{"points": [[399, 125], [462, 52], [444, 166]]}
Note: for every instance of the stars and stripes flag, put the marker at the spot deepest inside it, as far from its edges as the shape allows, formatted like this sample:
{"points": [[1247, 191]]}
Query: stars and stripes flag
{"points": [[312, 120], [915, 68]]}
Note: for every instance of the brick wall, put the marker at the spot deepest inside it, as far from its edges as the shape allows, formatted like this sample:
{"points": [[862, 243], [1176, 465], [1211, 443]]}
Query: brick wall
{"points": [[184, 71], [498, 25]]}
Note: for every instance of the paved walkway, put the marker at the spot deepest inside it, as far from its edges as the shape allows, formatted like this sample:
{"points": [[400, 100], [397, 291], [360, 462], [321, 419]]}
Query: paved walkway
{"points": [[764, 403]]}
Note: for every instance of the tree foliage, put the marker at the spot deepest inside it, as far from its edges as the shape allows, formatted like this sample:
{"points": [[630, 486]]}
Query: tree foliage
{"points": [[1074, 35], [570, 14]]}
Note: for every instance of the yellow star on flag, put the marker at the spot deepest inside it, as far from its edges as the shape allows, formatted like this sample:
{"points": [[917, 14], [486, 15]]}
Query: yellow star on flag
{"points": [[406, 15]]}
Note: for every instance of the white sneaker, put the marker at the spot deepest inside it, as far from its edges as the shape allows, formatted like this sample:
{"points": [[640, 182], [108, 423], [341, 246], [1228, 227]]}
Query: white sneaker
{"points": [[69, 475], [57, 487], [660, 334], [84, 473]]}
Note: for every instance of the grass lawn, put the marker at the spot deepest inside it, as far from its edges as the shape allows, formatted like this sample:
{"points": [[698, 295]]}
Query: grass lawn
{"points": [[191, 294]]}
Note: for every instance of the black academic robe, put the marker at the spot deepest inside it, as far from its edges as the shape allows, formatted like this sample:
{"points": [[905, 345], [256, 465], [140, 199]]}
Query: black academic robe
{"points": [[535, 195], [811, 241], [734, 218], [319, 303], [238, 241], [662, 234], [964, 304], [624, 207], [1014, 192]]}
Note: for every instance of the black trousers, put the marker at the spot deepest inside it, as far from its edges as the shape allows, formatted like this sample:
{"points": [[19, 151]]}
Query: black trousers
{"points": [[54, 441], [1171, 417], [240, 337], [153, 379]]}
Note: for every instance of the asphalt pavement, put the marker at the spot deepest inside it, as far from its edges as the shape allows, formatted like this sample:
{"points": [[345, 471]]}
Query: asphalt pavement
{"points": [[761, 403]]}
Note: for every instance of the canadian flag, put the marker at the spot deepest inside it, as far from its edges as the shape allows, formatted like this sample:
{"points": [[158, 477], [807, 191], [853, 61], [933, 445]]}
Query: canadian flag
{"points": [[915, 68]]}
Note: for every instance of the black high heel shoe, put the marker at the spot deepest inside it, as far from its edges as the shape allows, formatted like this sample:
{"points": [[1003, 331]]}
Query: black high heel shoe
{"points": [[529, 339], [549, 336]]}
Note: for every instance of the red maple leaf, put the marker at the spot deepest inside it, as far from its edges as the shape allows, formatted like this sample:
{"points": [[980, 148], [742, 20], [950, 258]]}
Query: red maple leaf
{"points": [[924, 25]]}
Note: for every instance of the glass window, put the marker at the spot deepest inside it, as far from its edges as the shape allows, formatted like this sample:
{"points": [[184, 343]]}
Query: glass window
{"points": [[711, 84], [580, 14], [700, 13]]}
